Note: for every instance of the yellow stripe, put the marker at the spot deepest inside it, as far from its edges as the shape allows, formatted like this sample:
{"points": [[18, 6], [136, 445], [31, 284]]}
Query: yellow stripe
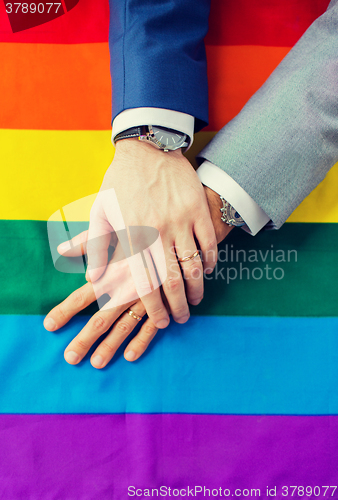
{"points": [[42, 171], [322, 204]]}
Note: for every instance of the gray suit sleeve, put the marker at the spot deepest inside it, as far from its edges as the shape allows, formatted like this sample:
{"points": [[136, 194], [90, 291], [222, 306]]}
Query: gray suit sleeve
{"points": [[285, 139]]}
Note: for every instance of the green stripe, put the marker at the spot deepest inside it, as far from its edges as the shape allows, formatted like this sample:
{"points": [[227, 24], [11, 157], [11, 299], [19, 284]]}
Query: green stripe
{"points": [[31, 285]]}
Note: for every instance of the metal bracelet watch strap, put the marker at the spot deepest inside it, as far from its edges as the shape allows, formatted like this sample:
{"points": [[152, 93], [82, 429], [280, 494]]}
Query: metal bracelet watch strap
{"points": [[162, 138], [230, 215]]}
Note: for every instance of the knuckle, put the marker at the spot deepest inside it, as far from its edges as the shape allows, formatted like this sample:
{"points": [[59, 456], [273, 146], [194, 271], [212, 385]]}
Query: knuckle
{"points": [[142, 343], [172, 283], [78, 298], [150, 330], [194, 265], [195, 285], [123, 328], [107, 347], [180, 312], [210, 250], [157, 311], [143, 287], [99, 324], [82, 344], [211, 244], [61, 312]]}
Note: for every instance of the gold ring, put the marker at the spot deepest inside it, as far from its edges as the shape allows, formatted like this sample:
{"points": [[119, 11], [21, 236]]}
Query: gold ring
{"points": [[192, 256], [134, 315]]}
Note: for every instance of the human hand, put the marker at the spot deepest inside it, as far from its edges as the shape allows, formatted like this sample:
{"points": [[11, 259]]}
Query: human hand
{"points": [[160, 190], [101, 322], [117, 271]]}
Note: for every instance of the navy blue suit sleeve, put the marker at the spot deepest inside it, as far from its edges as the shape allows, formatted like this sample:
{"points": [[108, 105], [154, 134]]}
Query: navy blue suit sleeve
{"points": [[158, 56]]}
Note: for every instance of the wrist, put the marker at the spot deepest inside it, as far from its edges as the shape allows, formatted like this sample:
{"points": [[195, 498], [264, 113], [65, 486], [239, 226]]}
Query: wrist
{"points": [[215, 204], [127, 146]]}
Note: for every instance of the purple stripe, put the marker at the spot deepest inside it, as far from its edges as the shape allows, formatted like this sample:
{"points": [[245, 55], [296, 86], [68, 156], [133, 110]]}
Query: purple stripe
{"points": [[82, 457]]}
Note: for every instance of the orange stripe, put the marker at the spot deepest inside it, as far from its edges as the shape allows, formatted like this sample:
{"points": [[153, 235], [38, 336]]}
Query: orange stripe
{"points": [[67, 87], [235, 73], [56, 87]]}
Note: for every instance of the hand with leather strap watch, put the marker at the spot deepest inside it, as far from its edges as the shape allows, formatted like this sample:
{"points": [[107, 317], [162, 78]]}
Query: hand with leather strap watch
{"points": [[162, 138], [167, 140]]}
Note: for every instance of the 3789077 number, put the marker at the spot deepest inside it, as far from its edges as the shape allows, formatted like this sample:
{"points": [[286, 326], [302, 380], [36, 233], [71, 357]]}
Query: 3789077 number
{"points": [[26, 8], [309, 491]]}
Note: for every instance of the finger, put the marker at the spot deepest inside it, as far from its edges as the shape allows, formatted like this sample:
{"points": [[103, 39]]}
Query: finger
{"points": [[155, 308], [75, 247], [98, 324], [147, 287], [206, 237], [173, 288], [99, 236], [62, 313], [120, 331], [138, 345], [192, 269]]}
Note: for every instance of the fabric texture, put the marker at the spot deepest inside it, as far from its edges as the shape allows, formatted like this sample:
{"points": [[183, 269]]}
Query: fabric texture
{"points": [[243, 396]]}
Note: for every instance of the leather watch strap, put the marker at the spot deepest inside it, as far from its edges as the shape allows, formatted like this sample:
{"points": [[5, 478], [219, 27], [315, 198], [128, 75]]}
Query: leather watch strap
{"points": [[129, 133]]}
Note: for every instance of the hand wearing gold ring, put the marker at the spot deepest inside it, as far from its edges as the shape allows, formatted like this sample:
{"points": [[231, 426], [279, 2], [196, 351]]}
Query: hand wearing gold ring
{"points": [[117, 323], [173, 202], [192, 256], [134, 315], [192, 270]]}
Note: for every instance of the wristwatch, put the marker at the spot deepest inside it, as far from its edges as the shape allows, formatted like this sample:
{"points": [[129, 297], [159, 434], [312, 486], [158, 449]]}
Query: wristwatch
{"points": [[230, 215], [162, 138]]}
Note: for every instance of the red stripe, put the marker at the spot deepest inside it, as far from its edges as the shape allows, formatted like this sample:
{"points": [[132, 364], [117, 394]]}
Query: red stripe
{"points": [[233, 22], [278, 23], [234, 75]]}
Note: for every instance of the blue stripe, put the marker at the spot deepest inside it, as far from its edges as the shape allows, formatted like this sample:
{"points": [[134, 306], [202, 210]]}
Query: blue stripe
{"points": [[221, 365]]}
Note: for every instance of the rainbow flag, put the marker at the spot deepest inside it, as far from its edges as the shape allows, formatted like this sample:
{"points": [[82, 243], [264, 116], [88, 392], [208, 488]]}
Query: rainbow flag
{"points": [[242, 401]]}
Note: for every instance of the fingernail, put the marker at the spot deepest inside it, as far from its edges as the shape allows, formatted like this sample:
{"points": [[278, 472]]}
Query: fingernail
{"points": [[208, 270], [163, 323], [184, 319], [195, 302], [97, 361], [72, 357], [49, 324], [130, 355], [63, 247]]}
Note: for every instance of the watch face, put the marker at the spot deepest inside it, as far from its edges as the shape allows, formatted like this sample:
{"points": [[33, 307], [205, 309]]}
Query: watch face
{"points": [[168, 139], [230, 215], [234, 216]]}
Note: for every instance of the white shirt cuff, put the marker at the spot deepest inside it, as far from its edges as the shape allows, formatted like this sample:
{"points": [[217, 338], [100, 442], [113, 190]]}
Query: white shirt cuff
{"points": [[168, 118], [216, 179]]}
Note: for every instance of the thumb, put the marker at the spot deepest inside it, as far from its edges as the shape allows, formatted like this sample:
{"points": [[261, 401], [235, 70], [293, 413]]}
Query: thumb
{"points": [[75, 247], [98, 241]]}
